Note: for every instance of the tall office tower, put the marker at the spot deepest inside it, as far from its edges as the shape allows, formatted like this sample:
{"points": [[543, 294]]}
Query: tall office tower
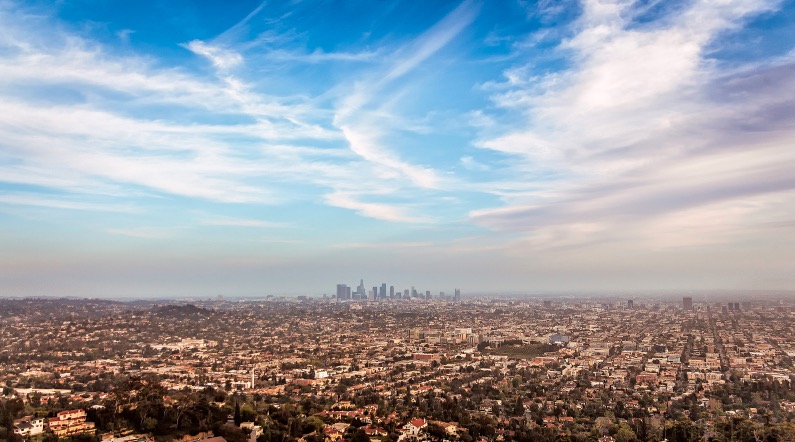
{"points": [[731, 306], [391, 292], [372, 296], [347, 292], [687, 303], [413, 292], [341, 291], [630, 304], [382, 293], [361, 290], [406, 294], [737, 306], [428, 294], [457, 296]]}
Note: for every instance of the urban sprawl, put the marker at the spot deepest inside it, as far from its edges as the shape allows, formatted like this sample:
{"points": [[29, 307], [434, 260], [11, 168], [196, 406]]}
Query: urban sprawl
{"points": [[380, 365]]}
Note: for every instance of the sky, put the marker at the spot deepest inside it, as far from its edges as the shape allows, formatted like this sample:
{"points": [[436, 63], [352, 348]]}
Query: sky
{"points": [[247, 148]]}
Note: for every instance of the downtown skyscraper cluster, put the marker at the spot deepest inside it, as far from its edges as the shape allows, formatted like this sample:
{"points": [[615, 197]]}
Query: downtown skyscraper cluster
{"points": [[345, 292]]}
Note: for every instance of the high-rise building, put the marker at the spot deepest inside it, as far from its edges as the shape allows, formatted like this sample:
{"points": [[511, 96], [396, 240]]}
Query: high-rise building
{"points": [[406, 294], [630, 304], [341, 291], [427, 294], [737, 306], [687, 303], [731, 306], [347, 292], [391, 292], [457, 296], [382, 293]]}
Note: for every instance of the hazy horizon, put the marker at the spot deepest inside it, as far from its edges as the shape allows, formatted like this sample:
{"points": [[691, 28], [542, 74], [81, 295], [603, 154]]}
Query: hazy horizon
{"points": [[253, 148]]}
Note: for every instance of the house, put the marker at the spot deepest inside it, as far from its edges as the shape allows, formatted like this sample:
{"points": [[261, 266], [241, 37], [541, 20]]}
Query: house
{"points": [[414, 426], [28, 426]]}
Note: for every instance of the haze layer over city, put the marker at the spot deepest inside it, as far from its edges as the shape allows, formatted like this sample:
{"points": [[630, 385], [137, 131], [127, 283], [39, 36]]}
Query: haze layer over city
{"points": [[179, 149]]}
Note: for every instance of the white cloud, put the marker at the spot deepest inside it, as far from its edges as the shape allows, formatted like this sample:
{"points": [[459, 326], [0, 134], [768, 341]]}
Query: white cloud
{"points": [[385, 212], [649, 146], [240, 222], [28, 199], [220, 57], [143, 232]]}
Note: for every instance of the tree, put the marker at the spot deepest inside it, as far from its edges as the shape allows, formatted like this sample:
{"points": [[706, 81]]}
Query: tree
{"points": [[625, 434], [518, 407], [237, 417], [360, 436]]}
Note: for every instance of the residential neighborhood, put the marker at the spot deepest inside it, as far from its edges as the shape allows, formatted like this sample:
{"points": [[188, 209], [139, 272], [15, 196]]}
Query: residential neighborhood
{"points": [[318, 369]]}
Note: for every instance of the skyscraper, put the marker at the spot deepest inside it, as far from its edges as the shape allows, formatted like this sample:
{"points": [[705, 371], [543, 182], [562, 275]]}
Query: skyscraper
{"points": [[687, 303], [630, 304], [391, 292], [343, 291], [457, 296], [382, 293]]}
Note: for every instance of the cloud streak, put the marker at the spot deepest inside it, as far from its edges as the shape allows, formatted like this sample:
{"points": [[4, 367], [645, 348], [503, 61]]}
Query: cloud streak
{"points": [[646, 144]]}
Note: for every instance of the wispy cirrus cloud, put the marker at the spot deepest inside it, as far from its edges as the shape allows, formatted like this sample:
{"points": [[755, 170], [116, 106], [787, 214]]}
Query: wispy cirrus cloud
{"points": [[221, 58], [35, 200], [111, 130], [363, 116], [143, 232], [226, 221], [646, 145], [387, 212]]}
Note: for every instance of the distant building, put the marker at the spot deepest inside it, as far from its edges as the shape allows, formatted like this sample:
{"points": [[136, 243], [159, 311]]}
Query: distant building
{"points": [[559, 339], [391, 292], [71, 422], [630, 304], [687, 303], [28, 426], [457, 296], [547, 304], [343, 291]]}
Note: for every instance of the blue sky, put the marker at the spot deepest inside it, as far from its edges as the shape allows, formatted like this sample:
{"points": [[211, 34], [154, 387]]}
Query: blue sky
{"points": [[197, 148]]}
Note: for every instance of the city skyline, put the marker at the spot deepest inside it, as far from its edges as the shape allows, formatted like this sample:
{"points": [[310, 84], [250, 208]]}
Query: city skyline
{"points": [[182, 149]]}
